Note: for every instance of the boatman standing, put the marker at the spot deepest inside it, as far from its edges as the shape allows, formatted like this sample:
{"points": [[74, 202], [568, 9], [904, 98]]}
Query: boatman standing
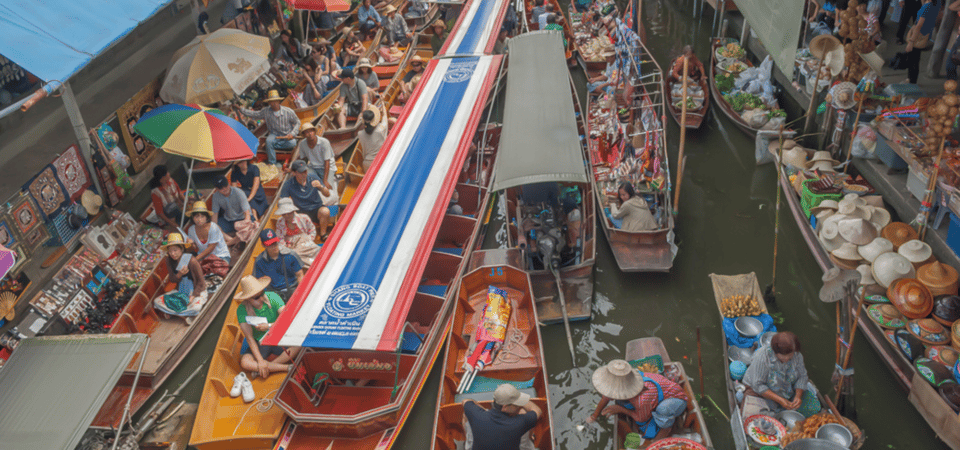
{"points": [[282, 125], [505, 425]]}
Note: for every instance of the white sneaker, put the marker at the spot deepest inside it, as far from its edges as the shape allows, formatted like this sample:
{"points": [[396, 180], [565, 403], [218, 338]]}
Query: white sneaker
{"points": [[238, 384], [246, 388]]}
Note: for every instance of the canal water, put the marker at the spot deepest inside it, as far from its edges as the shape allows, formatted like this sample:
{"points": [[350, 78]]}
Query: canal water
{"points": [[725, 225]]}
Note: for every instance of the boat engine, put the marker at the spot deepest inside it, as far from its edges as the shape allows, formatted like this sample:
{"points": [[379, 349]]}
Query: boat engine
{"points": [[548, 234]]}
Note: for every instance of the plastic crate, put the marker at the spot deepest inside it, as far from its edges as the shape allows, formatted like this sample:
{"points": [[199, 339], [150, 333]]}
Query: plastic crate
{"points": [[809, 200], [917, 183], [888, 155]]}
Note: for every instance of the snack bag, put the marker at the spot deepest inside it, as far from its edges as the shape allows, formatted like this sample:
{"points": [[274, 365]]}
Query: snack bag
{"points": [[496, 316]]}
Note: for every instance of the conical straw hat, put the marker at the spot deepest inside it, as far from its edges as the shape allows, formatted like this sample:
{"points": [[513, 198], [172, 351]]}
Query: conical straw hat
{"points": [[821, 45], [830, 236], [875, 248], [618, 380], [250, 287], [866, 275], [916, 251], [898, 233], [847, 251], [855, 199], [880, 217], [825, 205], [857, 231]]}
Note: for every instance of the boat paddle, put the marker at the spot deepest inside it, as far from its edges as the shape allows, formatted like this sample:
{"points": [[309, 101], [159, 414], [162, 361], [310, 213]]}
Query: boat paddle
{"points": [[683, 134], [563, 308], [770, 294]]}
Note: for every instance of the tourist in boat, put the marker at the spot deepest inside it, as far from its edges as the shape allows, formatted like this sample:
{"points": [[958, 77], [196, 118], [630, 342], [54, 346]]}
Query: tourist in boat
{"points": [[230, 206], [207, 235], [693, 66], [412, 77], [631, 211], [318, 154], [246, 176], [281, 265], [300, 188], [390, 52], [396, 27], [537, 10], [510, 18], [364, 72], [183, 270], [553, 25], [777, 373], [352, 49], [368, 17], [313, 92], [290, 49], [282, 125], [257, 312], [605, 81], [166, 197], [454, 206], [542, 18], [505, 425], [321, 47], [651, 400], [297, 232], [353, 97], [500, 47], [439, 36], [372, 136], [327, 72]]}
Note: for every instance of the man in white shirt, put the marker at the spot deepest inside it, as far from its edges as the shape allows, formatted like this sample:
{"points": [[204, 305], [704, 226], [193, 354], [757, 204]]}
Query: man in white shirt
{"points": [[318, 153], [542, 19]]}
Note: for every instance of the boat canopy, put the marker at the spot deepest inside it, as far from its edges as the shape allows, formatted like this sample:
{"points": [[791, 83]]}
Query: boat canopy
{"points": [[476, 30], [54, 386], [539, 141], [321, 5], [54, 40], [358, 292]]}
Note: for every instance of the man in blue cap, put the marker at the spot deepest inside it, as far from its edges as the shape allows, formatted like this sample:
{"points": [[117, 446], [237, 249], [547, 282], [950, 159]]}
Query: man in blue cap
{"points": [[281, 265]]}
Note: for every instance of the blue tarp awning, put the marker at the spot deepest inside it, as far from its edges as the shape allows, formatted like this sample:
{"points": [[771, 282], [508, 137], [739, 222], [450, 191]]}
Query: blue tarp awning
{"points": [[54, 39]]}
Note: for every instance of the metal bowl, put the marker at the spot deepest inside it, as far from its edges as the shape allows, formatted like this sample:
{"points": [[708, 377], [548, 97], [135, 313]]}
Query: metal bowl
{"points": [[789, 418], [766, 338], [813, 444], [748, 326], [744, 355], [835, 432]]}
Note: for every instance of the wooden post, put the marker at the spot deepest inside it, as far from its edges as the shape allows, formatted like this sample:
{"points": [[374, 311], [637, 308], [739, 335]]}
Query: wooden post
{"points": [[853, 133], [813, 97], [853, 334], [683, 133], [931, 193]]}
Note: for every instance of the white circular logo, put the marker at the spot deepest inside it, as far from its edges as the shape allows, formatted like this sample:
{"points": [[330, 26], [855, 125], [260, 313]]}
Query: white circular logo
{"points": [[350, 301], [460, 72]]}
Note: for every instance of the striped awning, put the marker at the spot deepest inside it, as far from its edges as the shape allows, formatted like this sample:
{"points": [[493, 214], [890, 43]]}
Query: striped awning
{"points": [[357, 293], [476, 30]]}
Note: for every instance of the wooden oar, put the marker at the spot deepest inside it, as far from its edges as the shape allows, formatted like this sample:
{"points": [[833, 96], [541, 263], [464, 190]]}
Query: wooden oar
{"points": [[813, 97], [683, 134], [563, 308], [853, 334]]}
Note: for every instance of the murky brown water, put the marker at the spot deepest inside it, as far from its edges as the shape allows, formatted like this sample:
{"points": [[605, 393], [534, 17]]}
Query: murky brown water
{"points": [[725, 225]]}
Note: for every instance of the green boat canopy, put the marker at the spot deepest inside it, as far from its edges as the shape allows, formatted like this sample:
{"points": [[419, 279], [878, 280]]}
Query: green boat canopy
{"points": [[539, 141], [53, 387]]}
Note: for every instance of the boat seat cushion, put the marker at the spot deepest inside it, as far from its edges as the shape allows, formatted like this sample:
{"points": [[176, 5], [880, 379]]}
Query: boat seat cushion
{"points": [[450, 250], [411, 342], [438, 290], [486, 385]]}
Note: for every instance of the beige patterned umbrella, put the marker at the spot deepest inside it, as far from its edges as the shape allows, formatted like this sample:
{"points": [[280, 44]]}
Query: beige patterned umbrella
{"points": [[214, 67]]}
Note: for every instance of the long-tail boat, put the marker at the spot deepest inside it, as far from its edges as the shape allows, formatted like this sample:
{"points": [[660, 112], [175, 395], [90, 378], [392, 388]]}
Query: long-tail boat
{"points": [[616, 124], [405, 302], [690, 425], [747, 286], [550, 203], [171, 338], [718, 99], [695, 115], [934, 409], [519, 362], [530, 23]]}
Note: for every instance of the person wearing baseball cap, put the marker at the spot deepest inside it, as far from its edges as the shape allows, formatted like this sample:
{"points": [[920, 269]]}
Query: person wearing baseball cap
{"points": [[280, 264], [504, 425], [303, 189]]}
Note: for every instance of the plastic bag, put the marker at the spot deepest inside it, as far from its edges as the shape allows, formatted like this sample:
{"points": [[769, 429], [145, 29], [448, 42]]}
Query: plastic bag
{"points": [[864, 142]]}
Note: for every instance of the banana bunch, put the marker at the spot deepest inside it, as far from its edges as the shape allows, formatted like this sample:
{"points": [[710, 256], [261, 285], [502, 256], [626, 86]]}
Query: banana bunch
{"points": [[739, 305]]}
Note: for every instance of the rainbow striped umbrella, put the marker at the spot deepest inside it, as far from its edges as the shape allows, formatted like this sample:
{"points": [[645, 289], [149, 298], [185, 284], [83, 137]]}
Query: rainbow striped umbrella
{"points": [[197, 132]]}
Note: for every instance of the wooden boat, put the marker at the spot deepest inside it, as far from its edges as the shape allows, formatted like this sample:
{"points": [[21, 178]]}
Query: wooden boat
{"points": [[691, 422], [171, 338], [694, 116], [635, 251], [531, 23], [523, 338], [938, 414], [718, 99], [725, 286]]}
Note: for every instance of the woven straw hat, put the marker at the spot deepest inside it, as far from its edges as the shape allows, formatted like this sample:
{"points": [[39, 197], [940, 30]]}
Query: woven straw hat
{"points": [[376, 115], [175, 239], [364, 63], [874, 60], [847, 251], [917, 251], [875, 248], [822, 216], [795, 157], [250, 287], [898, 233], [389, 9], [941, 279], [830, 236], [828, 204], [843, 95], [856, 199], [890, 267], [929, 331], [834, 219], [91, 202], [199, 206], [822, 156], [273, 96], [880, 217], [885, 315], [618, 380], [857, 231], [823, 44], [286, 206], [866, 275], [911, 298], [853, 210]]}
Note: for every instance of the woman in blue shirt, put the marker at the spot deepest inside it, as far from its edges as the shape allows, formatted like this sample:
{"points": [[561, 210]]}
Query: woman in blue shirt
{"points": [[247, 177], [926, 19]]}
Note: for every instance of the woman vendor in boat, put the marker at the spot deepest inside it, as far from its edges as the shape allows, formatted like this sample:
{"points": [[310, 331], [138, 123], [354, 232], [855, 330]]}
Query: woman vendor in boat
{"points": [[246, 176], [183, 270], [631, 210], [166, 197], [653, 401], [297, 231], [257, 312], [207, 235], [777, 373], [693, 66], [605, 81]]}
